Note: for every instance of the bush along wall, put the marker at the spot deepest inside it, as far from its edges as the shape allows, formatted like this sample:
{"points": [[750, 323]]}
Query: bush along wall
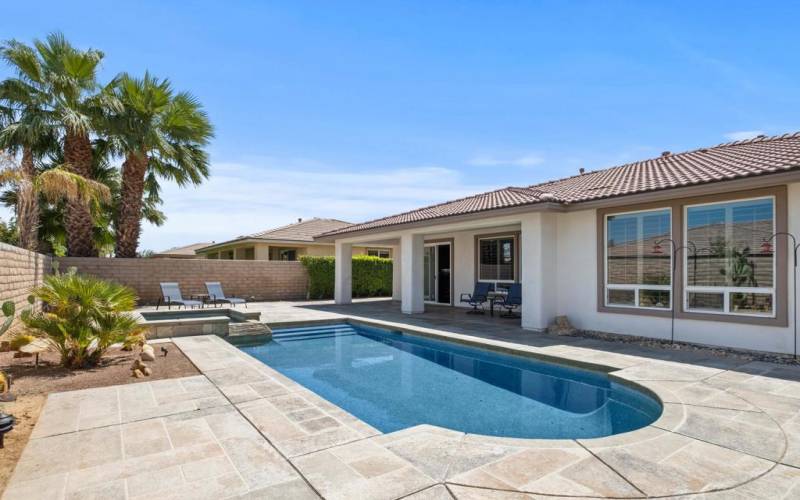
{"points": [[372, 276]]}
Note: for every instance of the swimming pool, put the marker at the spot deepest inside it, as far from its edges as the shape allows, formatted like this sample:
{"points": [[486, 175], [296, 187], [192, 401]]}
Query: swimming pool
{"points": [[394, 380]]}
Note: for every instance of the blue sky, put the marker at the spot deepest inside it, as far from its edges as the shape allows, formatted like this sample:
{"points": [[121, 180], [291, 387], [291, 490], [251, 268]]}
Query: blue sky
{"points": [[355, 110]]}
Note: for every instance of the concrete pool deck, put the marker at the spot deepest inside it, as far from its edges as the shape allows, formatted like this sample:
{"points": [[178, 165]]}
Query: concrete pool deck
{"points": [[730, 429]]}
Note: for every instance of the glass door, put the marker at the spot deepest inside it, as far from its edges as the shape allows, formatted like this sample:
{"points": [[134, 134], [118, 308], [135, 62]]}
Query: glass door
{"points": [[429, 278]]}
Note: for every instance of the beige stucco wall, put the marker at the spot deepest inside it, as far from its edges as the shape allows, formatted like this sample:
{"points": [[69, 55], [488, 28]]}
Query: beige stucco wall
{"points": [[262, 250]]}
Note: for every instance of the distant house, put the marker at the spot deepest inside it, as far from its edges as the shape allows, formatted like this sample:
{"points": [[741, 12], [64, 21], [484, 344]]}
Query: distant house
{"points": [[184, 252], [286, 243]]}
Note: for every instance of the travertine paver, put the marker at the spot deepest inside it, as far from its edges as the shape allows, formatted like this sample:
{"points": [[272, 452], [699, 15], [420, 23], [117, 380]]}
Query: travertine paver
{"points": [[198, 453], [729, 429]]}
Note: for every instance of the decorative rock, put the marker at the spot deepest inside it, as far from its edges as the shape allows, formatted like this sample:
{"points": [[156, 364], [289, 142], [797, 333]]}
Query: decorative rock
{"points": [[147, 371], [138, 374], [147, 353], [561, 326]]}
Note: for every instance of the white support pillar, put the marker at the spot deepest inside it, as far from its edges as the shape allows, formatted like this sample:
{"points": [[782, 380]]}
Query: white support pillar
{"points": [[343, 273], [412, 247], [538, 261], [396, 276]]}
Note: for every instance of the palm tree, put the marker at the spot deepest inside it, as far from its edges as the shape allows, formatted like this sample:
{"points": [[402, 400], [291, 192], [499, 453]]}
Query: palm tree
{"points": [[161, 134], [66, 77], [54, 186], [26, 129]]}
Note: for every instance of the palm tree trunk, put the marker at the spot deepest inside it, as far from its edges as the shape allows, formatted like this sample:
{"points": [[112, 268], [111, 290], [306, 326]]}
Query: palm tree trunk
{"points": [[78, 220], [28, 204], [129, 219]]}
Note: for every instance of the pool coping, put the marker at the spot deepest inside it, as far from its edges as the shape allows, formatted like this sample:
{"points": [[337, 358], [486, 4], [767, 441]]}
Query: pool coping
{"points": [[677, 423]]}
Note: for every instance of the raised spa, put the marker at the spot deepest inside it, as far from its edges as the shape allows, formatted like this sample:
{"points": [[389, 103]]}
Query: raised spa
{"points": [[393, 381]]}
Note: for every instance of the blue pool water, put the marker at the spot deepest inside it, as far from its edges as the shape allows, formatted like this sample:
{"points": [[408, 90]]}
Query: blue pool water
{"points": [[393, 381]]}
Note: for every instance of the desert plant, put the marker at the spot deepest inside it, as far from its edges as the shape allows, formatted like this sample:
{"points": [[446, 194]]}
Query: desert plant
{"points": [[63, 82], [161, 134], [82, 316]]}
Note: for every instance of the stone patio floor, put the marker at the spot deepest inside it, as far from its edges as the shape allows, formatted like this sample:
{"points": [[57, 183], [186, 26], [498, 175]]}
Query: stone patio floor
{"points": [[730, 429]]}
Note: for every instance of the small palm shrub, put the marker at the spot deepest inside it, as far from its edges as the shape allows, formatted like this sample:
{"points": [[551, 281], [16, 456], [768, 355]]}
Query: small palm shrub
{"points": [[82, 316]]}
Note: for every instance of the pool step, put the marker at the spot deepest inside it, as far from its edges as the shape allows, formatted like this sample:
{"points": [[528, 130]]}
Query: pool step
{"points": [[313, 332]]}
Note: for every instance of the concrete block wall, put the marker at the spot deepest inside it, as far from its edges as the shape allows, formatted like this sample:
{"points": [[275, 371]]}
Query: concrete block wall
{"points": [[262, 280], [20, 272]]}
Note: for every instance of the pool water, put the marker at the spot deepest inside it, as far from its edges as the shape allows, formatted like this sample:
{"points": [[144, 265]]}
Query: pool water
{"points": [[393, 381]]}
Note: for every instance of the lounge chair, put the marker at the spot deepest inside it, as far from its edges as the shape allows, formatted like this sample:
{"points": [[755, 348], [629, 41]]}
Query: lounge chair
{"points": [[478, 297], [171, 295], [215, 295], [512, 300]]}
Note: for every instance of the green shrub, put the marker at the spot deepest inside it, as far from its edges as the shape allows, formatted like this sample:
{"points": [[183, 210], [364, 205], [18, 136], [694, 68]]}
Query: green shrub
{"points": [[372, 276], [82, 316]]}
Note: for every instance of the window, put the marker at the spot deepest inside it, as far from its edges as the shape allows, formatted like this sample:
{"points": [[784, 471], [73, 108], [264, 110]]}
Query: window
{"points": [[728, 268], [213, 255], [638, 264], [285, 254], [250, 253], [496, 259], [378, 252]]}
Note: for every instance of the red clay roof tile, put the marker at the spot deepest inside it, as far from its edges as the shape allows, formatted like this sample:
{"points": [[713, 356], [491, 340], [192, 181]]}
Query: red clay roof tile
{"points": [[733, 160]]}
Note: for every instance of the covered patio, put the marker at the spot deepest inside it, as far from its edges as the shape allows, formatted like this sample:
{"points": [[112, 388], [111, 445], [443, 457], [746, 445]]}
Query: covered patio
{"points": [[436, 264]]}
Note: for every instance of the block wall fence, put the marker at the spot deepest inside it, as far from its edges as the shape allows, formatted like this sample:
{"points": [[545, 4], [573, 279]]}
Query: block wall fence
{"points": [[256, 279], [20, 271]]}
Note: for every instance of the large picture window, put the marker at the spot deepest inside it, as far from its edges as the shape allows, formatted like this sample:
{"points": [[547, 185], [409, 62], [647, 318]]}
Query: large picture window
{"points": [[638, 263], [496, 259], [728, 267]]}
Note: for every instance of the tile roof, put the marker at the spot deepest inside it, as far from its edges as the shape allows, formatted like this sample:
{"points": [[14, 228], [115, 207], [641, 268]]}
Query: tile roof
{"points": [[758, 156], [184, 250], [300, 231], [304, 230]]}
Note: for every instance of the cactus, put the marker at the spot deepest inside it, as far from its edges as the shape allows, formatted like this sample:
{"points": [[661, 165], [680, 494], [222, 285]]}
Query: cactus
{"points": [[8, 309]]}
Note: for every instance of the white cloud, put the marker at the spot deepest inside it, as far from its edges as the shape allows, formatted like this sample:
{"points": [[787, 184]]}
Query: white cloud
{"points": [[243, 198], [743, 134], [528, 160]]}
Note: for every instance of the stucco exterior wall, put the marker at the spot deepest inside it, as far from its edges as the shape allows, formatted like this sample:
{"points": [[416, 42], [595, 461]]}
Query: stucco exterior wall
{"points": [[577, 293], [262, 250]]}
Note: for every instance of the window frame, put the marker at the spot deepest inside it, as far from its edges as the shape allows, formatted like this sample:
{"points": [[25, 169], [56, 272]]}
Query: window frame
{"points": [[513, 235], [637, 287], [727, 291], [379, 251], [708, 194]]}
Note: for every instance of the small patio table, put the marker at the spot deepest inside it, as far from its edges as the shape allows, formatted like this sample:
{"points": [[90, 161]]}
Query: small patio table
{"points": [[493, 297]]}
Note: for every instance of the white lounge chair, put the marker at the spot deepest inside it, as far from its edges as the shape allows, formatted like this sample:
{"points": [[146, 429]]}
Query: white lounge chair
{"points": [[215, 295], [171, 295]]}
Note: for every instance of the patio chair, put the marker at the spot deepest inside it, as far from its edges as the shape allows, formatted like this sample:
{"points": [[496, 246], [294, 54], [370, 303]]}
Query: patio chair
{"points": [[478, 297], [511, 301], [171, 295], [216, 295]]}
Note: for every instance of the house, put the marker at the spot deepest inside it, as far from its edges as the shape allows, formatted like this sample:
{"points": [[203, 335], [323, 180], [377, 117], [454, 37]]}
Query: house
{"points": [[286, 243], [184, 252], [600, 247]]}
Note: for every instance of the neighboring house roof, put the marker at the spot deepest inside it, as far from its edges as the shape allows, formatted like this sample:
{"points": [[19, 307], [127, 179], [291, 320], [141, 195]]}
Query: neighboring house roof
{"points": [[302, 231], [184, 251], [752, 157]]}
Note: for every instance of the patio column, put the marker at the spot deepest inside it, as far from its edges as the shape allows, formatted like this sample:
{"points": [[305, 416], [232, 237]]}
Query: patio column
{"points": [[412, 247], [538, 269], [343, 273], [396, 276]]}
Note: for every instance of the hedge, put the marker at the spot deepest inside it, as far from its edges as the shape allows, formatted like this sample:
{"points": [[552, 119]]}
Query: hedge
{"points": [[372, 276]]}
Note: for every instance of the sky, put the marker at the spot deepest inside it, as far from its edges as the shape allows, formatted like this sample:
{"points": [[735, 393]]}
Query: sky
{"points": [[357, 110]]}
